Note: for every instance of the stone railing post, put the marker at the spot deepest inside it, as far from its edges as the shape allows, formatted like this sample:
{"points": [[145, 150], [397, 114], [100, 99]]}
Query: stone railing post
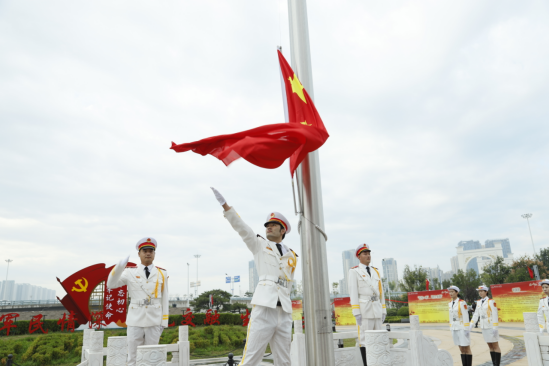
{"points": [[298, 345], [151, 355], [117, 350], [183, 346], [95, 351], [415, 341], [85, 342], [531, 339], [378, 348]]}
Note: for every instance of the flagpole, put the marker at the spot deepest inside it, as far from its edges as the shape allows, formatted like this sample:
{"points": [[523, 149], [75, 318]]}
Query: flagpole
{"points": [[316, 305]]}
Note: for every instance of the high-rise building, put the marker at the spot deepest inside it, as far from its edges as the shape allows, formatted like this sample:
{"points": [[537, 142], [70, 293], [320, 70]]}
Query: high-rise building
{"points": [[342, 286], [505, 243], [454, 264], [473, 255], [349, 260], [389, 268], [253, 277], [8, 290], [446, 275]]}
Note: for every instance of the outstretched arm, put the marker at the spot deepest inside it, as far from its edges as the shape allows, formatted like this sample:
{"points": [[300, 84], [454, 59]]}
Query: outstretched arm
{"points": [[115, 279]]}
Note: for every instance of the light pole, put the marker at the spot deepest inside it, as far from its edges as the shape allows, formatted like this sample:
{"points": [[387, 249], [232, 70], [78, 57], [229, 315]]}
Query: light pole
{"points": [[8, 261], [527, 216], [188, 280], [230, 283], [197, 284]]}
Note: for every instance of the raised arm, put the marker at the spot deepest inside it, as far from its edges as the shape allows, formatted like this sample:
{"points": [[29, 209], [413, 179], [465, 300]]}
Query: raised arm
{"points": [[115, 279], [247, 234]]}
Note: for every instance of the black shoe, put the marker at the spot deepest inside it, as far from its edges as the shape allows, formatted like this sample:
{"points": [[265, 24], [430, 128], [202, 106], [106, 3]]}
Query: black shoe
{"points": [[497, 359], [463, 358], [468, 359], [363, 355]]}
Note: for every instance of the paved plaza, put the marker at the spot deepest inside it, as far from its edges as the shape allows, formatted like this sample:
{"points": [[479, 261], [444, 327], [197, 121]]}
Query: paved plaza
{"points": [[511, 342]]}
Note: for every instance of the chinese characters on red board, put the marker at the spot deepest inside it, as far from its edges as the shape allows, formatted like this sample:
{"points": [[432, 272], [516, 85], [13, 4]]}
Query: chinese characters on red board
{"points": [[114, 305], [188, 318]]}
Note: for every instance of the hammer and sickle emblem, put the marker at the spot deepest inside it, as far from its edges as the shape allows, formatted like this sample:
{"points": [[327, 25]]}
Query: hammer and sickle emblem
{"points": [[82, 288]]}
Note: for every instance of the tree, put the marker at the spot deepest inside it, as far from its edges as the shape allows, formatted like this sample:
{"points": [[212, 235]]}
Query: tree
{"points": [[542, 256], [248, 294], [393, 286], [446, 284], [221, 300], [296, 291], [467, 282], [495, 272], [519, 272], [413, 280], [238, 307], [335, 288]]}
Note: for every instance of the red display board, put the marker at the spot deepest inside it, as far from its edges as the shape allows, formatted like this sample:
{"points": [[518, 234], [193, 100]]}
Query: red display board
{"points": [[430, 306], [342, 311], [297, 310], [513, 299]]}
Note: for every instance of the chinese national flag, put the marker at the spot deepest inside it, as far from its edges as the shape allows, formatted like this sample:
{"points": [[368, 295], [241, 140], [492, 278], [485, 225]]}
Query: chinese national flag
{"points": [[531, 274], [427, 285], [268, 146]]}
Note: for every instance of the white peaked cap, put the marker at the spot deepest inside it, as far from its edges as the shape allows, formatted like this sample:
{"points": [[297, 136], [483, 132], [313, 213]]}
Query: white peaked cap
{"points": [[361, 248], [545, 281], [147, 242], [483, 288], [454, 288], [276, 217]]}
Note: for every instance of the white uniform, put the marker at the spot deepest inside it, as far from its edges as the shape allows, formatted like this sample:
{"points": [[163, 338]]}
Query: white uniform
{"points": [[268, 323], [148, 309], [366, 298], [542, 313], [487, 315], [459, 322]]}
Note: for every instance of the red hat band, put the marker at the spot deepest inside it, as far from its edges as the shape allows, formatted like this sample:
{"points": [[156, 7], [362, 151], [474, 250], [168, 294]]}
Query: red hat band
{"points": [[278, 221]]}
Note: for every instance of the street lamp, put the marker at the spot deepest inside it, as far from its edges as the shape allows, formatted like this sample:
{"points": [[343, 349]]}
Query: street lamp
{"points": [[197, 283], [527, 216]]}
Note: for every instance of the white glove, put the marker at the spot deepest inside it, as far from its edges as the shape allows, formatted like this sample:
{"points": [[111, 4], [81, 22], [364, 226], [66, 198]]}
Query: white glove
{"points": [[383, 316], [541, 331], [358, 319], [122, 263], [471, 326], [218, 196], [467, 333]]}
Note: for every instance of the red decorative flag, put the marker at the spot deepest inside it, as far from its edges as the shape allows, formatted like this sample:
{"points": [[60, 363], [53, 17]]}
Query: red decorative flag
{"points": [[269, 146], [427, 284], [531, 274]]}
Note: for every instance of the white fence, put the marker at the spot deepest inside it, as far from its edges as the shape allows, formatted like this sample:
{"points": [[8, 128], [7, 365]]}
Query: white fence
{"points": [[536, 344]]}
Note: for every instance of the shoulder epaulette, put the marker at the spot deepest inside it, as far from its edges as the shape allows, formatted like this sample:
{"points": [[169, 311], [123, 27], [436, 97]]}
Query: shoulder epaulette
{"points": [[356, 266], [260, 237], [294, 252], [158, 267]]}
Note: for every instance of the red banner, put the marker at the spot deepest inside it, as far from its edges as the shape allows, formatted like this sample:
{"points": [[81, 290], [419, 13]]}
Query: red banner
{"points": [[513, 299], [297, 310], [342, 311], [114, 305], [430, 306]]}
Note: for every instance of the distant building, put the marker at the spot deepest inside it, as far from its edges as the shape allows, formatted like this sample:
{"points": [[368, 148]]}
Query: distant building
{"points": [[8, 290], [446, 275], [389, 268], [342, 286], [349, 260], [473, 255], [253, 278], [454, 264], [11, 291]]}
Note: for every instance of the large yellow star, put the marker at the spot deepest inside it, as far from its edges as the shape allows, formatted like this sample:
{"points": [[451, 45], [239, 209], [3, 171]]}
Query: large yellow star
{"points": [[297, 88]]}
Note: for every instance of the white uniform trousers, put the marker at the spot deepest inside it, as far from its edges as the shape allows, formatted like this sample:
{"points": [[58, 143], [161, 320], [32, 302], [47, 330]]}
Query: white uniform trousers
{"points": [[368, 324], [268, 325], [137, 336]]}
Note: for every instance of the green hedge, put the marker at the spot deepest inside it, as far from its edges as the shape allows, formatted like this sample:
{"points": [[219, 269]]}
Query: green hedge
{"points": [[403, 311], [23, 327], [225, 319]]}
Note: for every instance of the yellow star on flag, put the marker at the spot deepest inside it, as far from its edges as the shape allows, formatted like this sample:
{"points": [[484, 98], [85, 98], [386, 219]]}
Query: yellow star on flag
{"points": [[297, 88]]}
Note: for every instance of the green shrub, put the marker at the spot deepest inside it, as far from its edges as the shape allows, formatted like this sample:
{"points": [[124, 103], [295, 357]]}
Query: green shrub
{"points": [[392, 312], [403, 311]]}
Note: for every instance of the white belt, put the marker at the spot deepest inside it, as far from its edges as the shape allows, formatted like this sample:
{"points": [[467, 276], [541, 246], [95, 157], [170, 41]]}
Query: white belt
{"points": [[369, 299], [277, 280], [146, 302]]}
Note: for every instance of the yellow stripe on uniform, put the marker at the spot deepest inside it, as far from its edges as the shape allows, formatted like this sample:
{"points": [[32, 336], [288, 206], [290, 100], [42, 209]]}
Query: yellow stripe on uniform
{"points": [[379, 282], [359, 334], [247, 337]]}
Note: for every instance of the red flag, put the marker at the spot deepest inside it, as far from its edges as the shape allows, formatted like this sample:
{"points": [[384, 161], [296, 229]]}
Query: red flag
{"points": [[427, 284], [531, 274], [269, 146]]}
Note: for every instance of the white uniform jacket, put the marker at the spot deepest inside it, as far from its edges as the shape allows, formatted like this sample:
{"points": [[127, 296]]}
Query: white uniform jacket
{"points": [[486, 313], [149, 296], [458, 315], [276, 272], [542, 313], [362, 289]]}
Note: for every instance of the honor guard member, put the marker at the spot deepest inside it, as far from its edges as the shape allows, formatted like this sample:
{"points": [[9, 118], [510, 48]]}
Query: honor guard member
{"points": [[487, 315], [366, 296], [271, 317], [148, 290], [542, 313], [459, 322]]}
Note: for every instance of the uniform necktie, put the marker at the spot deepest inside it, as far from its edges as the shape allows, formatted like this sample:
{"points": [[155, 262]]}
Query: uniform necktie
{"points": [[483, 300], [368, 271], [280, 249], [453, 304], [147, 272]]}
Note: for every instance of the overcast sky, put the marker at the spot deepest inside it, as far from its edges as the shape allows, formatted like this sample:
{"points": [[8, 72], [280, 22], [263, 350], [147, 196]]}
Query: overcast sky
{"points": [[437, 114]]}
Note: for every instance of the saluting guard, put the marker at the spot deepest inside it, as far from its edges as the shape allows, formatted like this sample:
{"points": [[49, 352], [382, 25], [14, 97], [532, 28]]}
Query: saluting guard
{"points": [[542, 312], [366, 296], [148, 290], [487, 315], [271, 317], [459, 322]]}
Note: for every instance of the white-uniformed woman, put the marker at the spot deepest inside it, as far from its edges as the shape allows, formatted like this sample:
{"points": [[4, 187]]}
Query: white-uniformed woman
{"points": [[487, 315], [459, 322], [542, 313]]}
